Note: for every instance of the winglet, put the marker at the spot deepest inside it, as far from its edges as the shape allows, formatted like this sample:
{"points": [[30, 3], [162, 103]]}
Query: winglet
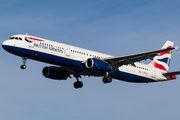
{"points": [[176, 48]]}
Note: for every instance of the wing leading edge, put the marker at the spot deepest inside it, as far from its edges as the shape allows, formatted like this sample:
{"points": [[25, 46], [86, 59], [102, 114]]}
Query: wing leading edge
{"points": [[131, 59]]}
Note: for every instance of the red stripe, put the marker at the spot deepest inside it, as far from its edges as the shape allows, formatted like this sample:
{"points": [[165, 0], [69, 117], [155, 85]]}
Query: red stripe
{"points": [[166, 52], [158, 66], [34, 39]]}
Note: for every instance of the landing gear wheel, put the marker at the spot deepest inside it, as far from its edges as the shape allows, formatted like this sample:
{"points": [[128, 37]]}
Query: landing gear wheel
{"points": [[104, 80], [78, 84], [107, 79], [24, 62], [23, 66]]}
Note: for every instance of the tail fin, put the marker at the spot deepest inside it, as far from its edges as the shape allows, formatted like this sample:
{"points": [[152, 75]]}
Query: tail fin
{"points": [[162, 60]]}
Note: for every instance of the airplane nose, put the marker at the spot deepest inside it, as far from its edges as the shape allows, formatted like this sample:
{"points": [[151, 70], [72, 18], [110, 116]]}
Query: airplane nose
{"points": [[4, 44]]}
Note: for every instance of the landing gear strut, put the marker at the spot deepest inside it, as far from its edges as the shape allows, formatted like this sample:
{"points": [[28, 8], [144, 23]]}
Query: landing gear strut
{"points": [[24, 62], [107, 79], [78, 84]]}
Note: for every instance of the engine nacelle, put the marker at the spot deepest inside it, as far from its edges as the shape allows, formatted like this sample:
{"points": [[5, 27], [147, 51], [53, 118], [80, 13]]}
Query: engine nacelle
{"points": [[98, 65], [54, 73]]}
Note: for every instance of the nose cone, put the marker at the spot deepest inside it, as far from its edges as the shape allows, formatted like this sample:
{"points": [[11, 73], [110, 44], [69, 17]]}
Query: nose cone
{"points": [[4, 44]]}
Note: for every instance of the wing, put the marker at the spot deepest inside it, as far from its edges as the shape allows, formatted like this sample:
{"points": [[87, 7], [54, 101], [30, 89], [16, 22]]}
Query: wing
{"points": [[130, 59]]}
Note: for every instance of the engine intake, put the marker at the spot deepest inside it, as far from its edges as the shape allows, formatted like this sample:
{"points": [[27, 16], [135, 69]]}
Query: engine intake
{"points": [[55, 73], [99, 65]]}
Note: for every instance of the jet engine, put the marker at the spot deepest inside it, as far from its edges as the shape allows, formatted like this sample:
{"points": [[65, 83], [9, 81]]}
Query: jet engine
{"points": [[98, 65], [56, 73]]}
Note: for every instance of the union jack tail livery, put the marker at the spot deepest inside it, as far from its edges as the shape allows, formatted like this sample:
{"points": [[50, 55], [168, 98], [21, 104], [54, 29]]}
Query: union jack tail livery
{"points": [[162, 60]]}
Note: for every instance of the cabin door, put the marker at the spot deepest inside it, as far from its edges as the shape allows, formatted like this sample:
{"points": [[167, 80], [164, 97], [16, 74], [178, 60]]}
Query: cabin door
{"points": [[31, 44], [153, 72], [67, 50]]}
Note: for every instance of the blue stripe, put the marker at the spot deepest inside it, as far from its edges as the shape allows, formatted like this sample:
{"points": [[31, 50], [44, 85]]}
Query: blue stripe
{"points": [[74, 64], [129, 77], [165, 60], [28, 41]]}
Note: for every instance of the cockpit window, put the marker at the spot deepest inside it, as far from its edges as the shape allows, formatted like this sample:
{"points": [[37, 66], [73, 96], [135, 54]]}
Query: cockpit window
{"points": [[11, 38], [17, 38]]}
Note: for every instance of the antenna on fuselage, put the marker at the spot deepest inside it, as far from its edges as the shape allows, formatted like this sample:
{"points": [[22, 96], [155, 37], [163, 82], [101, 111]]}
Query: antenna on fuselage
{"points": [[26, 33]]}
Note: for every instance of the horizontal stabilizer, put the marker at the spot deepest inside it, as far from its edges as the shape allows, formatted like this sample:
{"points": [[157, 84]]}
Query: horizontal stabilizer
{"points": [[171, 73]]}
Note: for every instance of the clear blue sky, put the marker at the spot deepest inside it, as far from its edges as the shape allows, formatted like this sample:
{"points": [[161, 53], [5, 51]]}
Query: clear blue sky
{"points": [[117, 27]]}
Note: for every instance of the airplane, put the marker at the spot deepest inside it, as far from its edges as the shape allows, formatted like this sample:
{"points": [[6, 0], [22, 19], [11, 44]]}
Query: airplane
{"points": [[74, 61]]}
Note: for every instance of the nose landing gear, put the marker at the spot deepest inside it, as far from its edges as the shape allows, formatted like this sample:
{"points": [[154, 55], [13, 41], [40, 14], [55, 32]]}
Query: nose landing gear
{"points": [[24, 62]]}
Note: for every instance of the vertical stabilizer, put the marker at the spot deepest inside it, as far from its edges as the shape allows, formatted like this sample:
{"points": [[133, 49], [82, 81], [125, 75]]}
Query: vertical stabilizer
{"points": [[162, 60]]}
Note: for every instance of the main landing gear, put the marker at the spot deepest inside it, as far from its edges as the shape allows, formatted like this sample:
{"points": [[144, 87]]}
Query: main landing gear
{"points": [[78, 84], [107, 79], [24, 62]]}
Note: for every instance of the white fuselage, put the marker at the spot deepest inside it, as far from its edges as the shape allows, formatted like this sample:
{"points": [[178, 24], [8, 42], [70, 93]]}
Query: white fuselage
{"points": [[47, 47]]}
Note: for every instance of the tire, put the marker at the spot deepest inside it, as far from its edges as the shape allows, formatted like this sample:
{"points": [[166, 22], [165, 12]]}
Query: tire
{"points": [[23, 66], [80, 84], [104, 80], [109, 79], [76, 85]]}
